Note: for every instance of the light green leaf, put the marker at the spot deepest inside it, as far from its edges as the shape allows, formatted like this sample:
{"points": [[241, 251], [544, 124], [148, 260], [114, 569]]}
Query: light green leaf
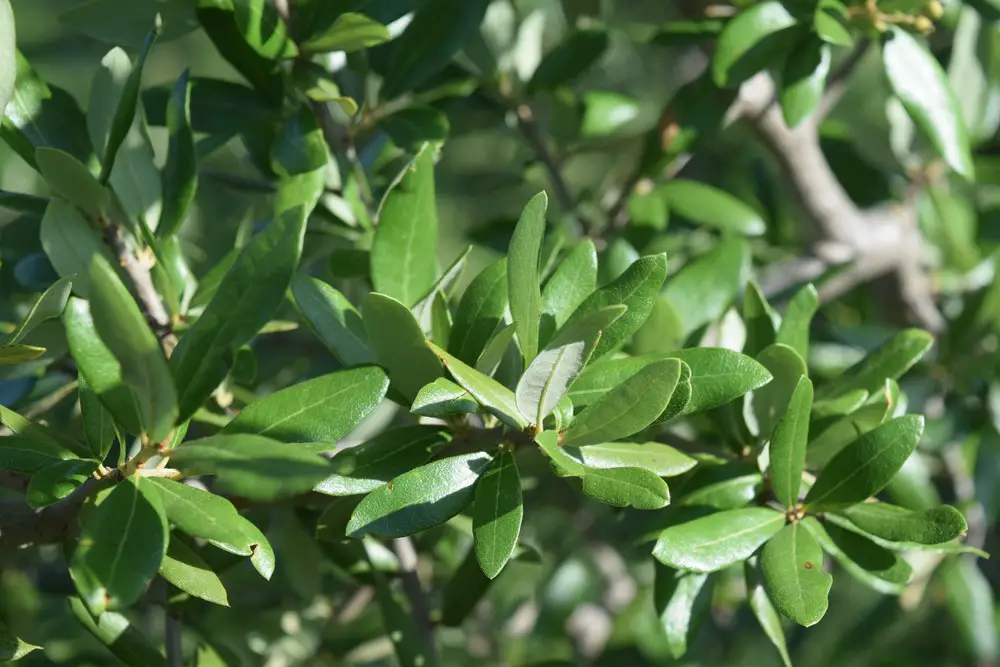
{"points": [[186, 570], [442, 398], [57, 480], [792, 564], [840, 406], [605, 113], [70, 241], [706, 205], [497, 514], [864, 467], [703, 290], [764, 611], [971, 603], [11, 647], [205, 515], [831, 23], [719, 375], [333, 319], [71, 180], [919, 82], [19, 354], [523, 275], [890, 360], [717, 540], [179, 179], [751, 41], [831, 434], [350, 32], [572, 281], [421, 498], [676, 596], [8, 65], [399, 344], [490, 394], [803, 79], [119, 635], [794, 329], [897, 524], [760, 319], [480, 312], [495, 351], [404, 250], [121, 546], [680, 398], [262, 28], [656, 457], [787, 452], [874, 566], [770, 401], [50, 305]]}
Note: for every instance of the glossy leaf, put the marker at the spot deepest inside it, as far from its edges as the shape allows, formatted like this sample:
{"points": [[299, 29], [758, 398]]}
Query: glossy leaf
{"points": [[19, 354], [771, 401], [787, 453], [656, 457], [706, 205], [57, 480], [333, 319], [497, 514], [888, 361], [442, 398], [794, 329], [920, 83], [490, 394], [399, 344], [479, 313], [637, 289], [680, 398], [204, 515], [719, 375], [186, 570], [523, 275], [703, 290], [717, 540], [764, 611], [263, 29], [864, 467], [350, 32], [179, 179], [803, 79], [50, 305], [792, 565], [831, 23], [876, 567], [897, 524], [121, 546], [830, 435], [404, 250], [572, 281], [752, 41], [71, 180], [421, 498], [246, 299], [676, 596]]}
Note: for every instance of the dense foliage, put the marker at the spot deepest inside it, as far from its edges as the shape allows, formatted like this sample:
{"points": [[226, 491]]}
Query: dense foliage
{"points": [[515, 332]]}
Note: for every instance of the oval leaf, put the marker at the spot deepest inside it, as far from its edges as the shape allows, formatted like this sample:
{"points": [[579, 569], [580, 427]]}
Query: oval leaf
{"points": [[792, 564], [703, 204], [888, 361], [523, 274], [186, 570], [751, 42], [787, 454], [897, 524], [718, 540], [497, 514], [803, 79], [333, 319], [203, 514], [658, 458], [399, 344]]}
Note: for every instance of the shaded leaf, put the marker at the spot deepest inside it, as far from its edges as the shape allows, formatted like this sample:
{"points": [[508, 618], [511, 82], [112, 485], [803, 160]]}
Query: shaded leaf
{"points": [[50, 305], [794, 329], [57, 480], [764, 611], [803, 79], [399, 344], [676, 596], [72, 181], [771, 401], [333, 319], [186, 570], [441, 398], [572, 281], [888, 361], [120, 635], [703, 290], [480, 312], [179, 179], [350, 32], [572, 57], [876, 567]]}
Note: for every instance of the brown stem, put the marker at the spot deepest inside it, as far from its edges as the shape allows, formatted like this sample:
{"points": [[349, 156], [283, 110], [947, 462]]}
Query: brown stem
{"points": [[529, 129]]}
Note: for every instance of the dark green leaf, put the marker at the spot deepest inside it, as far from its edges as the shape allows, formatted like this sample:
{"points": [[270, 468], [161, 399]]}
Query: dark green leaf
{"points": [[719, 375], [755, 39], [497, 514], [972, 604], [572, 282], [432, 307], [718, 540], [770, 401], [787, 453], [764, 611], [480, 312], [179, 180], [703, 204], [463, 591], [410, 127], [299, 157], [676, 597], [71, 180], [57, 480], [399, 344], [792, 564], [442, 398], [333, 319], [11, 647], [26, 456], [794, 329], [703, 290], [898, 524], [121, 546], [218, 107], [523, 275], [572, 57], [262, 28], [219, 19], [126, 108], [120, 635], [864, 467], [186, 570], [760, 320], [890, 360], [205, 515], [875, 566], [830, 435], [49, 305], [98, 424], [350, 32], [722, 486], [803, 79], [421, 498], [70, 242], [490, 394]]}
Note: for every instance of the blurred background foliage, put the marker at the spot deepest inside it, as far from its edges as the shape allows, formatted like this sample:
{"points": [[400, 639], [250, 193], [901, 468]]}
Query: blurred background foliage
{"points": [[589, 600]]}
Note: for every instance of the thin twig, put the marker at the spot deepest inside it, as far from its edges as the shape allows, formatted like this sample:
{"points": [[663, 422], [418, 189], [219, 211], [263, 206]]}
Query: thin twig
{"points": [[419, 609], [838, 82], [529, 129]]}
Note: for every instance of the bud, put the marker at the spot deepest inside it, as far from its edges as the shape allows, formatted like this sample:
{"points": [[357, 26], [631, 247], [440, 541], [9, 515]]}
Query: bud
{"points": [[923, 25], [934, 9]]}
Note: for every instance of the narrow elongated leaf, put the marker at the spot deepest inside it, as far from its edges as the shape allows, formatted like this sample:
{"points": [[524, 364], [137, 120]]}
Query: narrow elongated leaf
{"points": [[333, 319], [8, 68], [120, 635], [764, 611], [399, 344], [676, 596], [125, 111], [188, 571], [680, 398], [794, 329], [569, 59], [252, 466], [718, 540], [299, 157], [69, 241], [637, 288], [496, 350], [121, 546], [421, 498], [179, 179], [803, 79], [876, 567], [442, 398], [771, 401], [760, 319], [497, 514], [788, 445], [350, 32], [723, 486], [404, 250], [703, 204], [429, 308], [897, 524], [26, 456], [490, 394], [703, 290], [57, 480], [261, 28], [844, 404], [628, 408], [479, 313], [49, 305], [656, 457], [751, 41], [921, 84], [830, 435], [792, 564], [206, 515], [864, 467], [11, 647], [889, 361], [123, 329], [19, 354], [572, 281], [549, 376], [523, 275], [463, 591], [98, 424], [971, 602], [246, 299], [322, 409]]}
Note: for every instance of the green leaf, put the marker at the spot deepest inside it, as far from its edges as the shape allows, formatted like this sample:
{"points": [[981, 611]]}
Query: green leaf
{"points": [[479, 313], [755, 39], [830, 435], [676, 596], [703, 290], [19, 354], [522, 275], [572, 57], [760, 319], [126, 108], [71, 180], [920, 83], [11, 647], [656, 457], [399, 344], [637, 288], [606, 113], [245, 301], [57, 480], [8, 69], [496, 350], [218, 107], [421, 498], [803, 79], [121, 545], [252, 466], [432, 307], [680, 398], [497, 514], [123, 329], [971, 603], [205, 515], [571, 282], [120, 635], [831, 23], [323, 409], [463, 591], [404, 250], [874, 566], [409, 128], [26, 456], [98, 424], [628, 408], [705, 205], [179, 179], [299, 157], [724, 487], [350, 32], [771, 400], [186, 570], [435, 34], [410, 643], [618, 487], [548, 377], [719, 375], [490, 394], [368, 466], [864, 467], [442, 398], [792, 564], [794, 329], [897, 524], [333, 319], [787, 452], [840, 406], [70, 242], [717, 540], [764, 611], [50, 305], [890, 360], [262, 28]]}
